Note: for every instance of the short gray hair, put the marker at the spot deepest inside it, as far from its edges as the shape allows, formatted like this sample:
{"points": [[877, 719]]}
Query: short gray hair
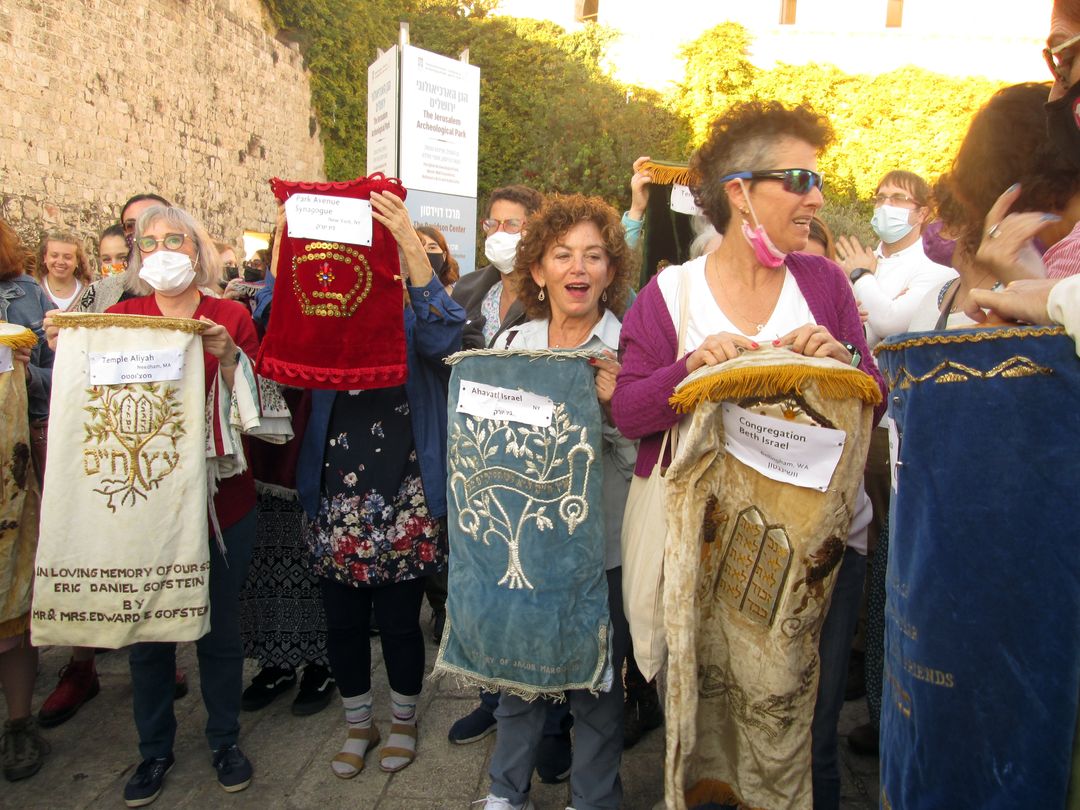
{"points": [[207, 260]]}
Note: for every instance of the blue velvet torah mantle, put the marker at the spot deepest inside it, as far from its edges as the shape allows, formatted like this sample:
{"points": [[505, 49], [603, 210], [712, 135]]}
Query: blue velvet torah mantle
{"points": [[527, 610], [982, 631]]}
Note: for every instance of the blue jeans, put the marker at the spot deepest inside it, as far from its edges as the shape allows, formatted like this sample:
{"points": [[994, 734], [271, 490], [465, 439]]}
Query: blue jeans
{"points": [[834, 648], [598, 731], [221, 657]]}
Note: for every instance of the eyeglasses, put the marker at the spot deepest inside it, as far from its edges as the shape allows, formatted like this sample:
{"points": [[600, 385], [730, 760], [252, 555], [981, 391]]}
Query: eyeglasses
{"points": [[797, 181], [899, 200], [171, 241], [1061, 68], [508, 225]]}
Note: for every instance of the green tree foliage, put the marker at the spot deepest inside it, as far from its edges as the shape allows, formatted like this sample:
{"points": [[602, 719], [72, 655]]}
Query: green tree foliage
{"points": [[908, 118], [549, 116]]}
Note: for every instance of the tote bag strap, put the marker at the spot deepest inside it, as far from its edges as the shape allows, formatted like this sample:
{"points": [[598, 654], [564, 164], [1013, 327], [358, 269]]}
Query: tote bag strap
{"points": [[684, 303]]}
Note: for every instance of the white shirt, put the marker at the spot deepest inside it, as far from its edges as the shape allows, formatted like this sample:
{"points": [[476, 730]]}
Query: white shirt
{"points": [[892, 294], [1063, 305], [707, 318], [62, 303]]}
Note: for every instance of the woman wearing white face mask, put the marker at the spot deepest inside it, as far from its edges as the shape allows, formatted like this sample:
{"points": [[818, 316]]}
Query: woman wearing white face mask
{"points": [[890, 281], [173, 258], [490, 304]]}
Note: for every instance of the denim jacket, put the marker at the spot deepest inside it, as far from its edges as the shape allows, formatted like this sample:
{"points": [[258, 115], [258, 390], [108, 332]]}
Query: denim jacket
{"points": [[432, 332], [22, 301]]}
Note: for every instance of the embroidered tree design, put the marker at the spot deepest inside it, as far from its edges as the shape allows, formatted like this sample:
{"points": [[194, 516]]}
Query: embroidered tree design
{"points": [[484, 490], [132, 416]]}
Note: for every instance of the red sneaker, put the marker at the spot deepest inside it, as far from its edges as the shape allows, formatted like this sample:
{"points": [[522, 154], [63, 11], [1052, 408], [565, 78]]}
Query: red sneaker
{"points": [[181, 684], [78, 684]]}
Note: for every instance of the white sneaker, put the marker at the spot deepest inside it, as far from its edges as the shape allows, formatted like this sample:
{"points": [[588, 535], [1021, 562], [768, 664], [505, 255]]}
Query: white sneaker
{"points": [[493, 802]]}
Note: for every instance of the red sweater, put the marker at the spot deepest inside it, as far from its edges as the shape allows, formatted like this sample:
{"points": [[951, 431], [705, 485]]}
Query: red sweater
{"points": [[236, 495]]}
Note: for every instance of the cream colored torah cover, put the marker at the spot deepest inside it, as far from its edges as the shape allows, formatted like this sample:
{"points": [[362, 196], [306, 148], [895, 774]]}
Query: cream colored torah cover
{"points": [[749, 570], [18, 487], [124, 555]]}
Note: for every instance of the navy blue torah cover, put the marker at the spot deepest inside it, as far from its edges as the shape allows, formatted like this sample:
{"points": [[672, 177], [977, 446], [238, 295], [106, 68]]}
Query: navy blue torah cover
{"points": [[527, 610], [982, 631]]}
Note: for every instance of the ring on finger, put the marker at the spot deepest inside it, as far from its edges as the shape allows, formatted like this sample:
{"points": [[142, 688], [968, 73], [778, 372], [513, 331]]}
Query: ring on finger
{"points": [[992, 232]]}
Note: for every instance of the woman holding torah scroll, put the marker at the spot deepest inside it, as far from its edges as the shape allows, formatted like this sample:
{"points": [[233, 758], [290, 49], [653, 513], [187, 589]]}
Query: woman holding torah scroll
{"points": [[759, 186], [25, 382], [173, 257], [372, 480], [572, 274]]}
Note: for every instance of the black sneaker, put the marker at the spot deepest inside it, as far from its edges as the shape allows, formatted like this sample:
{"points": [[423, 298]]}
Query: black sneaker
{"points": [[234, 770], [553, 758], [145, 784], [317, 688], [267, 685], [474, 726]]}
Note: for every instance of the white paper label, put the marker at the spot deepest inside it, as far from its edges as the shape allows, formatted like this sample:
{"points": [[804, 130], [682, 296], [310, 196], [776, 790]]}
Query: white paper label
{"points": [[894, 451], [331, 219], [116, 368], [492, 402], [682, 201], [803, 455], [7, 361]]}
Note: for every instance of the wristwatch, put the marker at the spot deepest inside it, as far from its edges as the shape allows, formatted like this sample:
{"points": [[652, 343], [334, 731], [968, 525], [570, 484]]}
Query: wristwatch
{"points": [[856, 355], [858, 273], [235, 361]]}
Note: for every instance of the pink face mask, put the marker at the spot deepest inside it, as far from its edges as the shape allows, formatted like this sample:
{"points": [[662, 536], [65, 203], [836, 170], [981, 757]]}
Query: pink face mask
{"points": [[767, 254]]}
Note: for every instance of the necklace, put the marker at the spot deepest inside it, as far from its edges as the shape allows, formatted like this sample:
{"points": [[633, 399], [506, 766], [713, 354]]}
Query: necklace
{"points": [[755, 322], [957, 299], [565, 341]]}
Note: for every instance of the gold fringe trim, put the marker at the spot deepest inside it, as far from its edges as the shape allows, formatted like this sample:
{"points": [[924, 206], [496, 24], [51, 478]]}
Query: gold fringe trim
{"points": [[990, 333], [666, 173], [715, 792], [94, 320], [14, 336], [767, 381]]}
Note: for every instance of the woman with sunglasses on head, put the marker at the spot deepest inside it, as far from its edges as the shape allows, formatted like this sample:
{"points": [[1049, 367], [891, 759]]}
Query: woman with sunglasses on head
{"points": [[760, 188], [173, 258]]}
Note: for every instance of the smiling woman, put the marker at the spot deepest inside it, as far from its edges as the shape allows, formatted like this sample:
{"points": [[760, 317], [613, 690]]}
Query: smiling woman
{"points": [[760, 188], [62, 268]]}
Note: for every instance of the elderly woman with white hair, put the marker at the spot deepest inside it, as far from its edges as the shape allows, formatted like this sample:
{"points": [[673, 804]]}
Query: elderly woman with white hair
{"points": [[173, 258]]}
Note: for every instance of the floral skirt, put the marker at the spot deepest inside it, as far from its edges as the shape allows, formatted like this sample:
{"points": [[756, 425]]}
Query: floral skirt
{"points": [[373, 525]]}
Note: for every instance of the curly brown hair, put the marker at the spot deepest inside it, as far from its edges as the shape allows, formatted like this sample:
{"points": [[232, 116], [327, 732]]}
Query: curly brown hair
{"points": [[558, 214], [1006, 143], [742, 140], [82, 264], [450, 272], [14, 258]]}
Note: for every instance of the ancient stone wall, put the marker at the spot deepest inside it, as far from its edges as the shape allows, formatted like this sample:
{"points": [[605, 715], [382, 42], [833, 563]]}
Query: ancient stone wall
{"points": [[196, 100]]}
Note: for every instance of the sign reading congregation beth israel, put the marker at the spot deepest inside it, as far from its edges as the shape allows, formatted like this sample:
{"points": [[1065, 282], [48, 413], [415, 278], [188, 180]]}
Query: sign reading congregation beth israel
{"points": [[123, 553]]}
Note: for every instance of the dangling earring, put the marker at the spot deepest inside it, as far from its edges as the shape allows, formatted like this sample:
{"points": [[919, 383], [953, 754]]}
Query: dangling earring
{"points": [[603, 295], [744, 212], [541, 296]]}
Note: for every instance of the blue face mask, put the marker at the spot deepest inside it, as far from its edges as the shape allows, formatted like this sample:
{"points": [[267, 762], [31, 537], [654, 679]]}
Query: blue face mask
{"points": [[890, 223]]}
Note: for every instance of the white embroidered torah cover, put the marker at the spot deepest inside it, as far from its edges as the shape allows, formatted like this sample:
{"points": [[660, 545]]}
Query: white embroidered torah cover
{"points": [[123, 554]]}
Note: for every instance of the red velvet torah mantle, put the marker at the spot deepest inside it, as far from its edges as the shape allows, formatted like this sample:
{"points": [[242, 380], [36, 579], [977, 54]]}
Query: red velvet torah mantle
{"points": [[336, 320]]}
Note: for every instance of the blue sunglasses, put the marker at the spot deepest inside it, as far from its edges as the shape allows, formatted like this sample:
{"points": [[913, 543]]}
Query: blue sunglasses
{"points": [[797, 181]]}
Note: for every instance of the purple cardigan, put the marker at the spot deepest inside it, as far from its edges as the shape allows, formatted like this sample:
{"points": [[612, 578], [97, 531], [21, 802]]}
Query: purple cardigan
{"points": [[650, 369]]}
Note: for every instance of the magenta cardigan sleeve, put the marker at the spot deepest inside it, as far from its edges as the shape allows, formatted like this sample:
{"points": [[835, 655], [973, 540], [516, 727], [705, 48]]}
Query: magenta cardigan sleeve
{"points": [[650, 371], [832, 302]]}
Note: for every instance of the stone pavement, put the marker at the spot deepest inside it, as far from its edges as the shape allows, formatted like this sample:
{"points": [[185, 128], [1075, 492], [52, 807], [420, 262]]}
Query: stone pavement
{"points": [[94, 754]]}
